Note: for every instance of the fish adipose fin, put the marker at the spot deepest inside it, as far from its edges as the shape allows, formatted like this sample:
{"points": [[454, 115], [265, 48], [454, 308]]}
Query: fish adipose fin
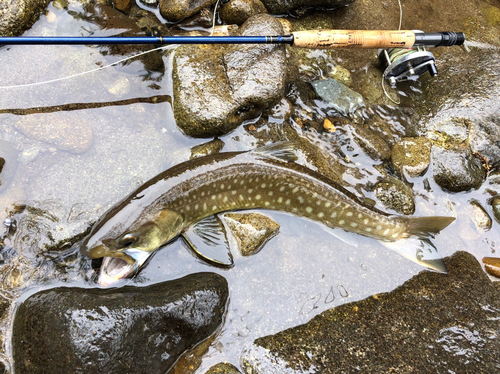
{"points": [[418, 246], [285, 151], [208, 239]]}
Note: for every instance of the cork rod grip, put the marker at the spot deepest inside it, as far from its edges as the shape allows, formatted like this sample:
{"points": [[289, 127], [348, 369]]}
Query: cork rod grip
{"points": [[330, 39]]}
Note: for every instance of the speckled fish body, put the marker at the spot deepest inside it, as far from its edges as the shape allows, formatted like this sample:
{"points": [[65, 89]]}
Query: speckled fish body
{"points": [[209, 185]]}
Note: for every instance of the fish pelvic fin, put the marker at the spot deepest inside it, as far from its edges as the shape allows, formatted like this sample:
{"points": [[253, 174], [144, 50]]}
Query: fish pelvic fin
{"points": [[425, 227]]}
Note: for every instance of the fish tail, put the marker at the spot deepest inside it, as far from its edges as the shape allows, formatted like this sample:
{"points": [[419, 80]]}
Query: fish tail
{"points": [[418, 246], [425, 227]]}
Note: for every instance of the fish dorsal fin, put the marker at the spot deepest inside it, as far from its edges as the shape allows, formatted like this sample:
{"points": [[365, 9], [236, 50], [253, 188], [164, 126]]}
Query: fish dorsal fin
{"points": [[208, 239], [286, 151]]}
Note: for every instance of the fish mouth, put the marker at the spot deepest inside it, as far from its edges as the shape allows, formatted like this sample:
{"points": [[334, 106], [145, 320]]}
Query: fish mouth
{"points": [[113, 269]]}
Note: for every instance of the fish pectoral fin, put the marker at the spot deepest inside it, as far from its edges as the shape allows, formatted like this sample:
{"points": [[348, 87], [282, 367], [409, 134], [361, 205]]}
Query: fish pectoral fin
{"points": [[208, 239], [286, 151]]}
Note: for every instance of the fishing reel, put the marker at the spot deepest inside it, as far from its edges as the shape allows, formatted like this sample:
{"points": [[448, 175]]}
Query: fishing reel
{"points": [[407, 64]]}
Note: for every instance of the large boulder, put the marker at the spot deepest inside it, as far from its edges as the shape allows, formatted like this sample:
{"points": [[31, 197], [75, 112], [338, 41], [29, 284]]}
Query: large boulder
{"points": [[216, 88], [121, 330], [16, 16], [432, 323]]}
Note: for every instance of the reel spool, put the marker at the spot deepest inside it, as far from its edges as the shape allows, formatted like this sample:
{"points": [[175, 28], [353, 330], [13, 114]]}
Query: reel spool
{"points": [[407, 64]]}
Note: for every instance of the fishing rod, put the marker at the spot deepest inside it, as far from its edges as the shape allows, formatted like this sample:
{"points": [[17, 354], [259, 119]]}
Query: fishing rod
{"points": [[403, 50]]}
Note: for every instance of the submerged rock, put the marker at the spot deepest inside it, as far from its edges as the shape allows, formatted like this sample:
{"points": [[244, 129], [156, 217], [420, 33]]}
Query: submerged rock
{"points": [[177, 10], [223, 368], [211, 148], [412, 156], [495, 205], [492, 266], [238, 11], [485, 138], [8, 164], [251, 230], [283, 6], [16, 16], [456, 169], [340, 97], [432, 323], [216, 88], [122, 330], [395, 195], [66, 131]]}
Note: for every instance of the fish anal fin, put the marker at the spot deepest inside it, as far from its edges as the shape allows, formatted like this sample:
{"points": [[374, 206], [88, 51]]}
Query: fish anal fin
{"points": [[426, 226], [208, 239]]}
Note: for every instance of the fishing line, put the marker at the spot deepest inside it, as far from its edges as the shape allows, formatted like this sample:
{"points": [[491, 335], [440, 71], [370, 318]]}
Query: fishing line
{"points": [[215, 16], [86, 72]]}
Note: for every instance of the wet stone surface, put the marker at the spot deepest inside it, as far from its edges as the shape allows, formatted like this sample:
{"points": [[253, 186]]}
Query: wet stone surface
{"points": [[16, 16], [432, 323], [217, 88], [238, 11], [456, 169], [123, 330], [412, 156], [395, 195], [251, 231], [223, 368], [342, 98], [176, 10]]}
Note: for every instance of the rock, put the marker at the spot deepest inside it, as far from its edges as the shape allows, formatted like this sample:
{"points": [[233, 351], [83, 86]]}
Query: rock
{"points": [[492, 266], [340, 74], [395, 195], [456, 169], [123, 5], [251, 230], [480, 216], [16, 16], [122, 330], [67, 131], [412, 156], [211, 148], [177, 10], [340, 97], [452, 131], [216, 88], [495, 205], [8, 164], [238, 11], [283, 6], [432, 323], [485, 138], [373, 145], [223, 368]]}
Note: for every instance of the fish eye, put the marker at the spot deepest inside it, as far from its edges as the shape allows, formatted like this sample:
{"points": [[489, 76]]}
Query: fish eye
{"points": [[127, 240]]}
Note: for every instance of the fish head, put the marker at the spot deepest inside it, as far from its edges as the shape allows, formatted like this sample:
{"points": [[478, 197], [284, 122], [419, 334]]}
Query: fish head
{"points": [[126, 249]]}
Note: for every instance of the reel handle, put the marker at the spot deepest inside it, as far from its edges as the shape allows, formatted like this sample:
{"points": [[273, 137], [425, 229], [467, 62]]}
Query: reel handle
{"points": [[333, 39]]}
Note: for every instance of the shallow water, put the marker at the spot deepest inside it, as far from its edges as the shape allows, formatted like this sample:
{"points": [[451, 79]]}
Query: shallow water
{"points": [[300, 273]]}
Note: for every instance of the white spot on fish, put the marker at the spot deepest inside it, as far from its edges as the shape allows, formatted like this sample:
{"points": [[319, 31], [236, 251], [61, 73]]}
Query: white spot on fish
{"points": [[287, 202], [360, 215], [321, 215], [309, 209], [214, 197], [295, 189], [233, 192], [353, 224], [280, 199], [214, 207], [270, 193], [204, 206], [328, 204], [241, 197], [365, 221], [225, 199], [236, 181], [379, 228], [250, 190], [294, 210], [334, 214], [222, 186], [203, 193], [263, 185], [282, 188], [386, 231], [368, 229], [349, 214], [341, 222], [301, 199], [257, 197], [266, 203], [196, 207]]}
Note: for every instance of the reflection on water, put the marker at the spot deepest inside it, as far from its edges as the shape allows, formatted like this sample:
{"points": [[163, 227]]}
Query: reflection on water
{"points": [[300, 273]]}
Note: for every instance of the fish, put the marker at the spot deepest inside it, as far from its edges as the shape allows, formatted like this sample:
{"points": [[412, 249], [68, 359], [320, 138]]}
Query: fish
{"points": [[185, 201]]}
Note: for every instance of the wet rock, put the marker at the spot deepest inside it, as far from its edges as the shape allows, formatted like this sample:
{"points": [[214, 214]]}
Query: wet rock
{"points": [[456, 169], [485, 138], [251, 230], [340, 97], [341, 74], [177, 10], [238, 11], [66, 131], [223, 368], [123, 330], [450, 321], [480, 216], [492, 266], [373, 145], [283, 6], [123, 5], [495, 205], [8, 164], [211, 148], [453, 131], [395, 195], [412, 156], [216, 88], [16, 16]]}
